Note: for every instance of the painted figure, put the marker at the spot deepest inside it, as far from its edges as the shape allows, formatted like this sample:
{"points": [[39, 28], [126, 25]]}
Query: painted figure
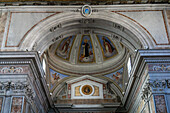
{"points": [[86, 90], [65, 46], [107, 46], [56, 77], [86, 48], [63, 49]]}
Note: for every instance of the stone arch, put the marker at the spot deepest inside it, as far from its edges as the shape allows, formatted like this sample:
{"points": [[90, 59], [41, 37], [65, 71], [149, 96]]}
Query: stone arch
{"points": [[68, 23]]}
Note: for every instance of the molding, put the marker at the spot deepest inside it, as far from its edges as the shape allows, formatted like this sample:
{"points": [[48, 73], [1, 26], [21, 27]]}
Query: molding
{"points": [[142, 60], [88, 78], [35, 74]]}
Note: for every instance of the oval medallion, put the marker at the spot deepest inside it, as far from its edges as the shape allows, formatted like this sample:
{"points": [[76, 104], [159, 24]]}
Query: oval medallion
{"points": [[86, 10], [87, 89]]}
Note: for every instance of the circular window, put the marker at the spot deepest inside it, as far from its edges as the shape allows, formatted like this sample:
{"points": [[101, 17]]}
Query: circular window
{"points": [[86, 89]]}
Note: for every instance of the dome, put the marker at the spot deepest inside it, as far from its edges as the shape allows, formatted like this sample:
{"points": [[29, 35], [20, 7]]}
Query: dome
{"points": [[84, 54]]}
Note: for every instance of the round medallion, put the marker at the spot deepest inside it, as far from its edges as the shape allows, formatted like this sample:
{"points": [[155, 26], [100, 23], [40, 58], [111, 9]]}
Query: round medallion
{"points": [[86, 89], [86, 10]]}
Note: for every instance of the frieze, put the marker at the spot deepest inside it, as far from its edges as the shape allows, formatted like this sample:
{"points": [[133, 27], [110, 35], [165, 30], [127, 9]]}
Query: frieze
{"points": [[159, 84], [13, 69], [18, 87], [159, 67]]}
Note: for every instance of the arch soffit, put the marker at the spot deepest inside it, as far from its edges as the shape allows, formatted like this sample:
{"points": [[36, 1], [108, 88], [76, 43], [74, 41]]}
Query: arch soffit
{"points": [[40, 32]]}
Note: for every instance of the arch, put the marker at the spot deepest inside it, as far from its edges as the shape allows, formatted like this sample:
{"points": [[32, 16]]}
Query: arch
{"points": [[40, 37]]}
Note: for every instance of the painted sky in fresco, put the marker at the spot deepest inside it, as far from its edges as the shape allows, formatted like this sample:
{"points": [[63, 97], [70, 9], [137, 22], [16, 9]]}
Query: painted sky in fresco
{"points": [[55, 77], [116, 76]]}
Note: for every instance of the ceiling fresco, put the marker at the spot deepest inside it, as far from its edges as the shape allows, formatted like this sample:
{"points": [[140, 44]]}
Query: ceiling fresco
{"points": [[84, 68], [107, 46], [63, 49], [117, 77], [55, 77], [86, 52]]}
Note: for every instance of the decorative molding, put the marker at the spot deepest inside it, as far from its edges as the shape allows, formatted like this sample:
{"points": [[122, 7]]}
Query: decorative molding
{"points": [[159, 84], [18, 87], [55, 39], [11, 69], [86, 10], [34, 46], [119, 27], [86, 21], [52, 29], [159, 67], [147, 92]]}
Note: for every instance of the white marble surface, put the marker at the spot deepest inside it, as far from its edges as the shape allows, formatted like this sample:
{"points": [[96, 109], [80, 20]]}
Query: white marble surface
{"points": [[153, 22], [21, 23]]}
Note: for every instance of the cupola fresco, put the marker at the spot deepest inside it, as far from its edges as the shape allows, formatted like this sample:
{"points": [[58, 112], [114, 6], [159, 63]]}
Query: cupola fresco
{"points": [[83, 54]]}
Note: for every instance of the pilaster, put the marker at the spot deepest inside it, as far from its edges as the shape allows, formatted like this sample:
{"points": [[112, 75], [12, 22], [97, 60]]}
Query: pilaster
{"points": [[23, 87], [150, 90]]}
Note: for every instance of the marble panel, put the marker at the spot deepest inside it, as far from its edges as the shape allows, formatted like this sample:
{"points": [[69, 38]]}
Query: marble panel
{"points": [[152, 21], [168, 16], [20, 23], [160, 104], [3, 18], [17, 105], [1, 104]]}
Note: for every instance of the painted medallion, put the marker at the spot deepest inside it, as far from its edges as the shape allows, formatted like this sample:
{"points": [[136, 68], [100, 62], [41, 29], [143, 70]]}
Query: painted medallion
{"points": [[107, 46], [64, 48], [86, 89], [86, 54], [116, 76]]}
